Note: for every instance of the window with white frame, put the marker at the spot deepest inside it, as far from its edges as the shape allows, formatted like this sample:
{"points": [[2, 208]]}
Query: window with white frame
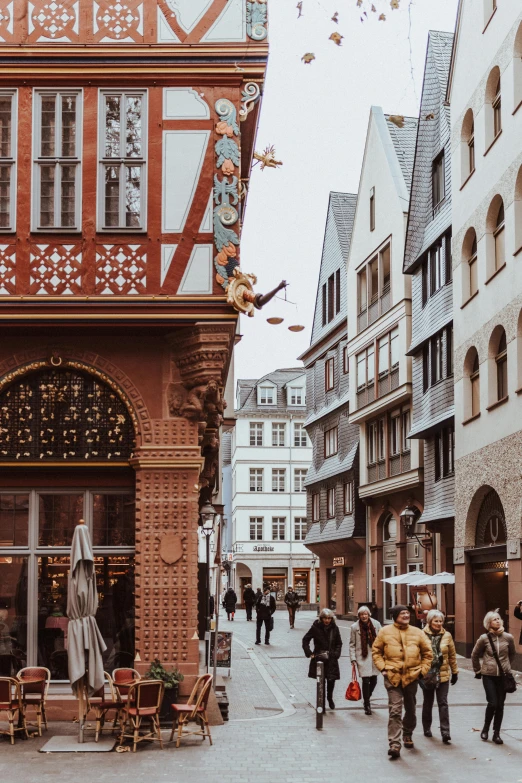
{"points": [[278, 479], [278, 434], [123, 146], [300, 528], [256, 479], [299, 435], [266, 395], [348, 497], [256, 433], [278, 528], [7, 160], [331, 502], [57, 147], [256, 528], [299, 479], [297, 395], [329, 374], [316, 506], [330, 442]]}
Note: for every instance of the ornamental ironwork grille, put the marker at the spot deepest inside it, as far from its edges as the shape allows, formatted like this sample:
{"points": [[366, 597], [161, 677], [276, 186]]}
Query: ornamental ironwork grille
{"points": [[63, 415], [491, 522]]}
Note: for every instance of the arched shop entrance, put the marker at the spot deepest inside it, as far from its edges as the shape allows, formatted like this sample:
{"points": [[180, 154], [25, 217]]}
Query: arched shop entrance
{"points": [[489, 563], [65, 443]]}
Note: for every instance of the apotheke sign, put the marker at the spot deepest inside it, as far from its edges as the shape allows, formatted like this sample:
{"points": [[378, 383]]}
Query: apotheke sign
{"points": [[264, 549]]}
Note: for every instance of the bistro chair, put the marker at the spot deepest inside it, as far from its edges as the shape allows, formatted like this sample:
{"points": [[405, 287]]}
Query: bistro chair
{"points": [[194, 711], [143, 703], [11, 703], [34, 681], [123, 679], [102, 705]]}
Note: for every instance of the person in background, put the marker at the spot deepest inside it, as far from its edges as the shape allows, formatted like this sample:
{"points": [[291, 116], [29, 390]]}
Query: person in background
{"points": [[249, 599], [445, 660], [265, 608], [493, 644], [362, 636], [518, 614], [403, 654], [229, 603], [292, 604], [327, 647]]}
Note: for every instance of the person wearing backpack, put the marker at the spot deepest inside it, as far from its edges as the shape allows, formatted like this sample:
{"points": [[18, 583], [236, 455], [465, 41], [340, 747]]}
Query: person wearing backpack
{"points": [[443, 670], [497, 650]]}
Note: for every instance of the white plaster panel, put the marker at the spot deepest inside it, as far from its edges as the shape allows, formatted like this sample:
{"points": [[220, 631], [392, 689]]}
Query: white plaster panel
{"points": [[165, 33], [198, 274], [189, 12], [207, 224], [184, 103], [230, 24], [167, 254], [183, 156]]}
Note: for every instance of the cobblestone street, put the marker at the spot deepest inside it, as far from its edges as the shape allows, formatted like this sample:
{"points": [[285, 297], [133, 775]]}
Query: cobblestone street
{"points": [[271, 734]]}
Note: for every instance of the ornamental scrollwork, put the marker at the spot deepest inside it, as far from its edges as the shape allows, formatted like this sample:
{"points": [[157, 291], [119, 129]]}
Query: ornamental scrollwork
{"points": [[250, 94], [256, 20], [226, 194]]}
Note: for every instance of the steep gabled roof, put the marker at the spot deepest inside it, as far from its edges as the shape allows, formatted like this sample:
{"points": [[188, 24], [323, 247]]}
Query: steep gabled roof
{"points": [[433, 135], [336, 248], [403, 139]]}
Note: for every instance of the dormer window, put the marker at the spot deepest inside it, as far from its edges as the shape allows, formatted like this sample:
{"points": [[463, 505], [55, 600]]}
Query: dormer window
{"points": [[266, 395], [296, 395]]}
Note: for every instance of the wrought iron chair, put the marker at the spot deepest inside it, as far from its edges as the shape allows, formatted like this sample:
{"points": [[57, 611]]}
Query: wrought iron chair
{"points": [[194, 711], [11, 703], [143, 703], [102, 705], [34, 681]]}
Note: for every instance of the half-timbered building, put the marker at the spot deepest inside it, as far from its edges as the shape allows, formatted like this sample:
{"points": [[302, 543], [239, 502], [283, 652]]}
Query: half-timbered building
{"points": [[126, 140]]}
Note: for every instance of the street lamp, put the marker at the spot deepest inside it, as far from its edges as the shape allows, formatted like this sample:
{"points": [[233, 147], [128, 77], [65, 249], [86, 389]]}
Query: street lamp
{"points": [[207, 516], [408, 519]]}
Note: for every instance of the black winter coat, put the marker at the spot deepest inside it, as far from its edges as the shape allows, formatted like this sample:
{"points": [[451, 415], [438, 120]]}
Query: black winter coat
{"points": [[263, 612], [518, 615], [249, 597], [324, 641], [230, 601]]}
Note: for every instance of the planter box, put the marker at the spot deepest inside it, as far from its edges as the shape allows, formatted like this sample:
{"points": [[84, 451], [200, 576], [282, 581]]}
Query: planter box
{"points": [[170, 696]]}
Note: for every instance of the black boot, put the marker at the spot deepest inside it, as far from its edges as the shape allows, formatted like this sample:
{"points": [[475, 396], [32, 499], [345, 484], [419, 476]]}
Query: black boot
{"points": [[367, 708], [490, 711], [496, 738]]}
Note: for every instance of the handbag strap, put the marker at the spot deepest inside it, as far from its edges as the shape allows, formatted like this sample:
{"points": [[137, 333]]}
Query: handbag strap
{"points": [[495, 654], [354, 673]]}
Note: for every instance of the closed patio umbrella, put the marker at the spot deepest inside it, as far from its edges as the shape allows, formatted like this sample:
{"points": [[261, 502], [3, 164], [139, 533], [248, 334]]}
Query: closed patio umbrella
{"points": [[85, 642]]}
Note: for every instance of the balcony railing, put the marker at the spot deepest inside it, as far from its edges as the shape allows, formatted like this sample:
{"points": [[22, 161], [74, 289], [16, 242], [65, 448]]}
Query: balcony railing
{"points": [[398, 463], [376, 307]]}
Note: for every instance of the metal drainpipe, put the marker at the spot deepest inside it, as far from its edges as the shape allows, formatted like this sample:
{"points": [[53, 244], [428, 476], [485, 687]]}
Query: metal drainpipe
{"points": [[290, 569], [368, 558]]}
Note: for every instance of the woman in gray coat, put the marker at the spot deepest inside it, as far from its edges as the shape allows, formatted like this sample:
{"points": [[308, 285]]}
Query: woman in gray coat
{"points": [[503, 643], [362, 636]]}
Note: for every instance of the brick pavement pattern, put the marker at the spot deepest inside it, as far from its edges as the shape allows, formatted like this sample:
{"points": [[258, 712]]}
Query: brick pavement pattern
{"points": [[264, 746]]}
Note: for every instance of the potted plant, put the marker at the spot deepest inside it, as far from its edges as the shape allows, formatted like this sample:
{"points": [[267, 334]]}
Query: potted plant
{"points": [[172, 680]]}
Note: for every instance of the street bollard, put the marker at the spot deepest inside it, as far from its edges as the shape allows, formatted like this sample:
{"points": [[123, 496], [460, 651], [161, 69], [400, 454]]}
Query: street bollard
{"points": [[320, 701]]}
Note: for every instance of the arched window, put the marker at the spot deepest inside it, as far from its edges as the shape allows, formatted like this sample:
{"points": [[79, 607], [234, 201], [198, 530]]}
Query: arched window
{"points": [[475, 386], [63, 415], [518, 208], [472, 268], [389, 529], [517, 69], [491, 521], [493, 107], [468, 145], [500, 238], [501, 367], [471, 380]]}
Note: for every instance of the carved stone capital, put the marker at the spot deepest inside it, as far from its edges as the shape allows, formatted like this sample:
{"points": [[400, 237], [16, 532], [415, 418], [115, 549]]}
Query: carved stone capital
{"points": [[202, 353]]}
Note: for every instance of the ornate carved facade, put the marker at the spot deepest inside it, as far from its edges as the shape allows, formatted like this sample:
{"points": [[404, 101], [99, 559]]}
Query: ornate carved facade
{"points": [[125, 131]]}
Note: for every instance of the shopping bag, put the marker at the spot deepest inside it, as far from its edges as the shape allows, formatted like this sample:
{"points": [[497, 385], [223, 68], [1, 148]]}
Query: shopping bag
{"points": [[353, 691]]}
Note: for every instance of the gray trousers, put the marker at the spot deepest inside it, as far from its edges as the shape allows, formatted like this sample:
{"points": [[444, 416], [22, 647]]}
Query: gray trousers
{"points": [[442, 701], [397, 696]]}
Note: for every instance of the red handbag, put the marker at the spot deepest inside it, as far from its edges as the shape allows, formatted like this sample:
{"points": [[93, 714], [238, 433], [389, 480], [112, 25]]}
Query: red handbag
{"points": [[353, 691]]}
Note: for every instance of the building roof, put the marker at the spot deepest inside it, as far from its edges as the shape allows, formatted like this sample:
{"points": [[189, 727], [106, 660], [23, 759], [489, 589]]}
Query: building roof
{"points": [[404, 143], [331, 531], [334, 256], [247, 396], [434, 131], [333, 466]]}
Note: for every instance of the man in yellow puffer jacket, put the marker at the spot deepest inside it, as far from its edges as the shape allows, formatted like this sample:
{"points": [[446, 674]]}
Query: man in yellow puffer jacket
{"points": [[403, 654]]}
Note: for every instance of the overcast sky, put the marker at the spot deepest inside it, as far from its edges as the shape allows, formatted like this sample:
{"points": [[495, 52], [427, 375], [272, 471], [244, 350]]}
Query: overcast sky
{"points": [[316, 116]]}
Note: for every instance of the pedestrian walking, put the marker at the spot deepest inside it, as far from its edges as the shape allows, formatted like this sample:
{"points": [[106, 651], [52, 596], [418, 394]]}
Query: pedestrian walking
{"points": [[443, 670], [292, 604], [496, 648], [402, 653], [362, 636], [265, 608], [229, 603], [518, 614], [249, 599], [327, 648]]}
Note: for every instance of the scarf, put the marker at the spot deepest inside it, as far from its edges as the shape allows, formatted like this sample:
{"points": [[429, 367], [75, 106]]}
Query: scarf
{"points": [[436, 640], [266, 600], [368, 634]]}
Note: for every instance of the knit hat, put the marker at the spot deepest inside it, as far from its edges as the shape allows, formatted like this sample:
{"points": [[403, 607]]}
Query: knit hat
{"points": [[397, 609]]}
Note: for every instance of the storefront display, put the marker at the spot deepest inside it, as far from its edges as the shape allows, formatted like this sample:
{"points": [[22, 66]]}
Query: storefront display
{"points": [[332, 588], [301, 585]]}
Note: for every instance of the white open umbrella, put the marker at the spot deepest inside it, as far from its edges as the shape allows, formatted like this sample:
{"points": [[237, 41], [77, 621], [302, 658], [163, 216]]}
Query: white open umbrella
{"points": [[420, 578], [403, 579], [85, 642]]}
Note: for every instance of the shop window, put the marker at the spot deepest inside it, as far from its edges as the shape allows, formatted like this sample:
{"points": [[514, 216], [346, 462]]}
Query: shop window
{"points": [[332, 588], [349, 590], [58, 516], [14, 520], [113, 519]]}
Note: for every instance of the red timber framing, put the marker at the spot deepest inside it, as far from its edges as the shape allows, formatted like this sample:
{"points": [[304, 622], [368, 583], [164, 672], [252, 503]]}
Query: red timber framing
{"points": [[142, 309]]}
